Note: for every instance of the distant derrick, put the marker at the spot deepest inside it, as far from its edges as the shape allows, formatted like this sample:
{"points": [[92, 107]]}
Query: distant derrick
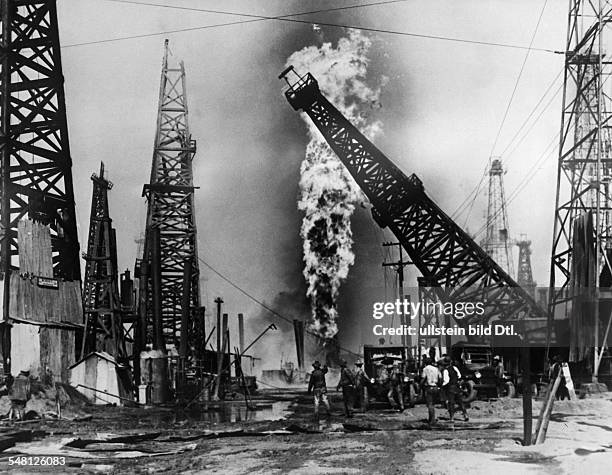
{"points": [[524, 274], [101, 301], [496, 242]]}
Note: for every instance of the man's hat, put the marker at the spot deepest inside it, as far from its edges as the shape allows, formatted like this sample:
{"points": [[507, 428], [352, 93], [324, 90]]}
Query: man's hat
{"points": [[358, 363], [316, 364], [343, 363], [496, 357]]}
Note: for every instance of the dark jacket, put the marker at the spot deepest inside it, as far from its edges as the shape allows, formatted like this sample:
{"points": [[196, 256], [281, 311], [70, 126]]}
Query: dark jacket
{"points": [[317, 379], [346, 378], [361, 378]]}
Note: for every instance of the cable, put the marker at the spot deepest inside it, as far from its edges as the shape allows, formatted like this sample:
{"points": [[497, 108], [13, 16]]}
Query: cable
{"points": [[516, 146], [528, 177], [518, 79], [455, 214], [474, 193], [250, 15], [524, 182], [534, 109], [266, 307], [286, 18], [254, 19]]}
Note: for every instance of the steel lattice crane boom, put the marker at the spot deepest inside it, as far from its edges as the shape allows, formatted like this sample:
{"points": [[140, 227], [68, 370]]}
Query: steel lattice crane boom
{"points": [[447, 257]]}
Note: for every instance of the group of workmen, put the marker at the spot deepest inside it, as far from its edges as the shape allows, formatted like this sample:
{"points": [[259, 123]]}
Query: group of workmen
{"points": [[439, 381], [442, 381], [353, 385]]}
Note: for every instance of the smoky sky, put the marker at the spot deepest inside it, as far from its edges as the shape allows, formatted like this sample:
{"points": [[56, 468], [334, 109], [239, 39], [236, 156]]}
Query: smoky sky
{"points": [[440, 110]]}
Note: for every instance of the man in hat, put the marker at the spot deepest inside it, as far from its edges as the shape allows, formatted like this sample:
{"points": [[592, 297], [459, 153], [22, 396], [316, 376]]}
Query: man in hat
{"points": [[318, 386], [347, 384], [430, 378], [395, 386], [19, 394], [361, 386], [498, 369], [450, 384], [443, 389]]}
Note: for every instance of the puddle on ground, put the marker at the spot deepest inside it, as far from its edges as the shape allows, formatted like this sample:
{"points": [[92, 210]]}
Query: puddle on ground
{"points": [[609, 429], [583, 452], [529, 458], [239, 413]]}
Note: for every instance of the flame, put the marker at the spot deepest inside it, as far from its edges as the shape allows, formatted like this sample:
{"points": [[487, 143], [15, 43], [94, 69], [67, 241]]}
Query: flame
{"points": [[327, 192]]}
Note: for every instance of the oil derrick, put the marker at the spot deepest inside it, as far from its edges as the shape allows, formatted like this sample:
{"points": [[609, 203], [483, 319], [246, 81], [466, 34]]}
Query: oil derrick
{"points": [[101, 301], [580, 261], [36, 166], [495, 242], [170, 248], [524, 275]]}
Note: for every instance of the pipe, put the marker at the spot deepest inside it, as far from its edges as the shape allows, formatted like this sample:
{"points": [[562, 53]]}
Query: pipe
{"points": [[185, 308], [109, 394], [158, 329], [241, 331]]}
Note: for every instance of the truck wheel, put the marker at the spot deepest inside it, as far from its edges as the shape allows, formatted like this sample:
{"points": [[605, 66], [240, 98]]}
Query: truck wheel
{"points": [[472, 392], [510, 390]]}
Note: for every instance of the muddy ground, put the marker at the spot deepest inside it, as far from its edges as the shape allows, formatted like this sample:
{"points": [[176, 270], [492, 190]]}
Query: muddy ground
{"points": [[281, 437]]}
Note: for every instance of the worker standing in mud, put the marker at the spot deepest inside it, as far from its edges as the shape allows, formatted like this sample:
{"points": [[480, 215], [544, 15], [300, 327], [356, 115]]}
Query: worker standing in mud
{"points": [[450, 383], [431, 387], [498, 369], [347, 384], [443, 389], [19, 395], [361, 387], [318, 387], [395, 387]]}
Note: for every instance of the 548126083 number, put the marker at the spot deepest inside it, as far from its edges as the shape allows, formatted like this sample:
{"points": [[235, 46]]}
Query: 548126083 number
{"points": [[29, 460]]}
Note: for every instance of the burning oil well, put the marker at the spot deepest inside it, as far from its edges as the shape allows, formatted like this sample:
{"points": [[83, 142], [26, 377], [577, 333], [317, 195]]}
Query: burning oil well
{"points": [[328, 194]]}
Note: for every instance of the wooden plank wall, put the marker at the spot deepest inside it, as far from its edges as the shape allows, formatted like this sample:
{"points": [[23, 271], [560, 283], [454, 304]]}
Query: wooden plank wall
{"points": [[57, 351], [35, 256], [37, 304], [28, 301]]}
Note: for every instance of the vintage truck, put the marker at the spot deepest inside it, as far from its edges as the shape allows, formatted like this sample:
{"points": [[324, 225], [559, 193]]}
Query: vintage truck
{"points": [[475, 361]]}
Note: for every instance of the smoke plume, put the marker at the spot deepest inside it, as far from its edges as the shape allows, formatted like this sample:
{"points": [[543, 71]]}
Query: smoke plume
{"points": [[328, 194]]}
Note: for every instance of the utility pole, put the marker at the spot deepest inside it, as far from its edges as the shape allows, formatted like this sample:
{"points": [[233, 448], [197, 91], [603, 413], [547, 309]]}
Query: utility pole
{"points": [[219, 302], [399, 268], [170, 238], [581, 252]]}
